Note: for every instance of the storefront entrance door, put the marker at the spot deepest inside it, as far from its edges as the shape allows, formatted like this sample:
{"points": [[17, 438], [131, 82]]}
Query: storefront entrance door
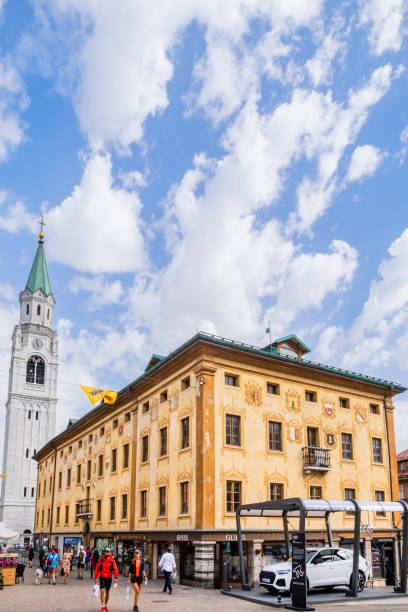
{"points": [[383, 559]]}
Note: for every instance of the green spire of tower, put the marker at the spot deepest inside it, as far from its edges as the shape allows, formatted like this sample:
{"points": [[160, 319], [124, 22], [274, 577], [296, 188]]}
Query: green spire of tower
{"points": [[38, 278]]}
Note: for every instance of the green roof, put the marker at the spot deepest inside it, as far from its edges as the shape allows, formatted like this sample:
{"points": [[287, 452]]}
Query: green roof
{"points": [[38, 278]]}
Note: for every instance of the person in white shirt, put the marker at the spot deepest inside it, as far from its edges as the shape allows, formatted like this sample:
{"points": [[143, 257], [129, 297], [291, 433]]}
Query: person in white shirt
{"points": [[4, 548], [168, 564]]}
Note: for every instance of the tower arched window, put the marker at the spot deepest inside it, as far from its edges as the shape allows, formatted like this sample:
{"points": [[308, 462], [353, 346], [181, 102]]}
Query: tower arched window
{"points": [[35, 370], [38, 309], [27, 308]]}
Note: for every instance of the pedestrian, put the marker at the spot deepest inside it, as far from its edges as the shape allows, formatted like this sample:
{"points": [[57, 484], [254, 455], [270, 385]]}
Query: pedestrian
{"points": [[136, 576], [30, 556], [4, 549], [66, 563], [168, 565], [87, 558], [105, 567], [94, 560], [52, 560], [41, 558], [81, 564]]}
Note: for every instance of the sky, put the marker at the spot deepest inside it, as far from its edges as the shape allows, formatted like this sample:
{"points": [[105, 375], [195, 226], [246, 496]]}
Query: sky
{"points": [[206, 168]]}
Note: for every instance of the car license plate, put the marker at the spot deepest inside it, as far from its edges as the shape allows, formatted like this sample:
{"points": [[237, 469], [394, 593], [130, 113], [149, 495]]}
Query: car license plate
{"points": [[266, 579]]}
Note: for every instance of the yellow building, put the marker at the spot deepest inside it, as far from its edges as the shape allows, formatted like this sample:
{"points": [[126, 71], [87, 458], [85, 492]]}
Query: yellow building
{"points": [[214, 424]]}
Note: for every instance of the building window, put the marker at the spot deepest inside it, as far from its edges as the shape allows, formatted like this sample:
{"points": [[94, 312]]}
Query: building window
{"points": [[185, 383], [162, 501], [66, 515], [272, 388], [114, 459], [27, 453], [275, 491], [163, 396], [344, 402], [377, 450], [38, 309], [76, 513], [184, 497], [58, 515], [35, 450], [379, 497], [374, 409], [349, 494], [232, 430], [48, 313], [78, 478], [42, 517], [90, 438], [69, 477], [310, 396], [61, 454], [163, 442], [315, 492], [347, 446], [274, 436], [313, 437], [231, 380], [48, 516], [401, 491], [70, 449], [32, 491], [100, 465], [50, 489], [143, 504], [29, 414], [27, 309], [25, 492], [98, 510], [38, 518], [124, 506], [44, 485], [80, 444], [88, 470], [185, 432], [145, 407], [36, 416], [233, 497], [59, 480], [125, 456], [145, 449], [101, 432], [112, 509], [35, 370], [115, 423], [127, 417]]}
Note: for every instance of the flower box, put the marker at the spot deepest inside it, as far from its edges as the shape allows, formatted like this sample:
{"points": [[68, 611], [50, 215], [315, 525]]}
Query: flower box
{"points": [[8, 567]]}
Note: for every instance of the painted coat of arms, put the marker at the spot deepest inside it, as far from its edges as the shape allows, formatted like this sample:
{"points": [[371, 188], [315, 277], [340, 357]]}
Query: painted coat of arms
{"points": [[360, 414], [328, 407], [253, 394], [294, 432], [292, 400]]}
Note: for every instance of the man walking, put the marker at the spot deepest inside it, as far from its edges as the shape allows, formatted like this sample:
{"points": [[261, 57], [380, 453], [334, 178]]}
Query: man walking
{"points": [[81, 564], [105, 567], [168, 565]]}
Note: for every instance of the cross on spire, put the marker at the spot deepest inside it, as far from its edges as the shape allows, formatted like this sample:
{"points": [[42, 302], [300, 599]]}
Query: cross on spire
{"points": [[42, 223]]}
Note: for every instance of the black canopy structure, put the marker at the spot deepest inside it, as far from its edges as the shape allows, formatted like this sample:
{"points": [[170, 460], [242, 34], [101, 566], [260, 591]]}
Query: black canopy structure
{"points": [[320, 508]]}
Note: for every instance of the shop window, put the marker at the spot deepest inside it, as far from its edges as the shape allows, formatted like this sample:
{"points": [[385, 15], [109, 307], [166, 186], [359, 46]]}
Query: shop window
{"points": [[274, 436], [315, 492], [66, 515], [275, 491], [163, 442], [379, 497], [310, 396], [162, 501], [115, 424], [349, 494], [69, 477], [35, 371], [185, 383], [78, 478], [272, 388], [344, 402], [112, 508], [124, 506], [114, 460], [88, 469], [313, 437], [347, 446], [233, 495], [127, 417], [184, 497], [59, 480], [145, 407], [145, 449], [230, 380], [374, 409], [377, 450], [232, 430], [125, 456], [143, 504], [98, 510], [185, 432], [58, 515], [163, 396]]}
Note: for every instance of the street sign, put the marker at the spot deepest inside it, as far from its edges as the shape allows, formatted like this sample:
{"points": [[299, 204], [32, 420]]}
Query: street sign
{"points": [[299, 579]]}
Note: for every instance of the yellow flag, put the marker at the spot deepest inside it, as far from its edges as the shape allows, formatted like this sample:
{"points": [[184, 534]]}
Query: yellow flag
{"points": [[96, 395]]}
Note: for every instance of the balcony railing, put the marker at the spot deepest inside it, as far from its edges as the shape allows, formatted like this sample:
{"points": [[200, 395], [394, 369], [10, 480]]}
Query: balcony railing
{"points": [[316, 459], [84, 508]]}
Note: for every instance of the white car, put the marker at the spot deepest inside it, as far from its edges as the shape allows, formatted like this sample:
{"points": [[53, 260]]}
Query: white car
{"points": [[325, 567]]}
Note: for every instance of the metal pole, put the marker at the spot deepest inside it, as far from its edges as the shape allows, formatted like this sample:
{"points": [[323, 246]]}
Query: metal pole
{"points": [[286, 530], [328, 528], [356, 550], [404, 556], [245, 586]]}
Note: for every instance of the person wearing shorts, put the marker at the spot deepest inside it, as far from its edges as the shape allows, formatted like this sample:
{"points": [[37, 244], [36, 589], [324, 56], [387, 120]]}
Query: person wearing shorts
{"points": [[104, 569], [52, 560], [136, 576]]}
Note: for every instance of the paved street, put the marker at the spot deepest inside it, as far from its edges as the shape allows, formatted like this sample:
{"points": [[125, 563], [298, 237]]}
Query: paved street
{"points": [[77, 596]]}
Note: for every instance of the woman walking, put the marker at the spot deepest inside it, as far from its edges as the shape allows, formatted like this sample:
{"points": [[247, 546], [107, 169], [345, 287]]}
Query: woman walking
{"points": [[52, 560], [66, 564], [136, 576]]}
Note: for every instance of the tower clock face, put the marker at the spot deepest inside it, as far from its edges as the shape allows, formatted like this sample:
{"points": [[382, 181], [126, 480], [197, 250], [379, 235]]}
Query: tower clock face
{"points": [[37, 343]]}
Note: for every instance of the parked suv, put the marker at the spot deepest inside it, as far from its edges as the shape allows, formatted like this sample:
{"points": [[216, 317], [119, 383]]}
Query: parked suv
{"points": [[325, 567]]}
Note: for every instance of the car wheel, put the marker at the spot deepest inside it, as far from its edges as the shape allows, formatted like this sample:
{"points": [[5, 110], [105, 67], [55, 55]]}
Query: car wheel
{"points": [[360, 582]]}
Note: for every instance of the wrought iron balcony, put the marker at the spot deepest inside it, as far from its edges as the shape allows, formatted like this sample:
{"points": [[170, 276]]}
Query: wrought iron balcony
{"points": [[84, 508], [315, 458]]}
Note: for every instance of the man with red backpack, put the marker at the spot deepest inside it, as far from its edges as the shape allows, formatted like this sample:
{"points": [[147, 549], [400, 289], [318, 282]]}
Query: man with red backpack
{"points": [[105, 567]]}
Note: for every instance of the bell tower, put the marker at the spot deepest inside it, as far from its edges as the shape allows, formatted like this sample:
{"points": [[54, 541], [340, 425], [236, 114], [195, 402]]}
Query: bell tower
{"points": [[32, 397]]}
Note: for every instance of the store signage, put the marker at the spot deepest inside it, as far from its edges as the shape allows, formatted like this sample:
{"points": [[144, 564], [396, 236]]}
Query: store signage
{"points": [[299, 582], [182, 537], [233, 537]]}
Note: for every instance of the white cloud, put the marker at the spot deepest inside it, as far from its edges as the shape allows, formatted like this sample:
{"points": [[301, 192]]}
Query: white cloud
{"points": [[320, 66], [364, 162], [385, 20], [12, 102], [18, 218], [103, 292]]}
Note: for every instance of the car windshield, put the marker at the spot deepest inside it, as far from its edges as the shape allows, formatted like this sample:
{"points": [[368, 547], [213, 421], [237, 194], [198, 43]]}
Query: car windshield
{"points": [[309, 555]]}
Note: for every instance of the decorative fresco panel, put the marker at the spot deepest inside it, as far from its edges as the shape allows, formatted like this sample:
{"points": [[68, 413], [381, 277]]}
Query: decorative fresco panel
{"points": [[292, 400], [253, 394]]}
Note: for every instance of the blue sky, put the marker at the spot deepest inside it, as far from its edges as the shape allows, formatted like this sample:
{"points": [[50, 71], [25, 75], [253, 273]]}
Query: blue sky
{"points": [[207, 169]]}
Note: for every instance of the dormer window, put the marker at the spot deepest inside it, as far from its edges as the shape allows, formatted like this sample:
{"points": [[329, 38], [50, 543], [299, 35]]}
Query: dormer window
{"points": [[38, 310], [27, 308], [35, 370]]}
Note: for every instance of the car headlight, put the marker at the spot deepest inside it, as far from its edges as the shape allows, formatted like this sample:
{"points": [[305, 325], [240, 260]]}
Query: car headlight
{"points": [[281, 572]]}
